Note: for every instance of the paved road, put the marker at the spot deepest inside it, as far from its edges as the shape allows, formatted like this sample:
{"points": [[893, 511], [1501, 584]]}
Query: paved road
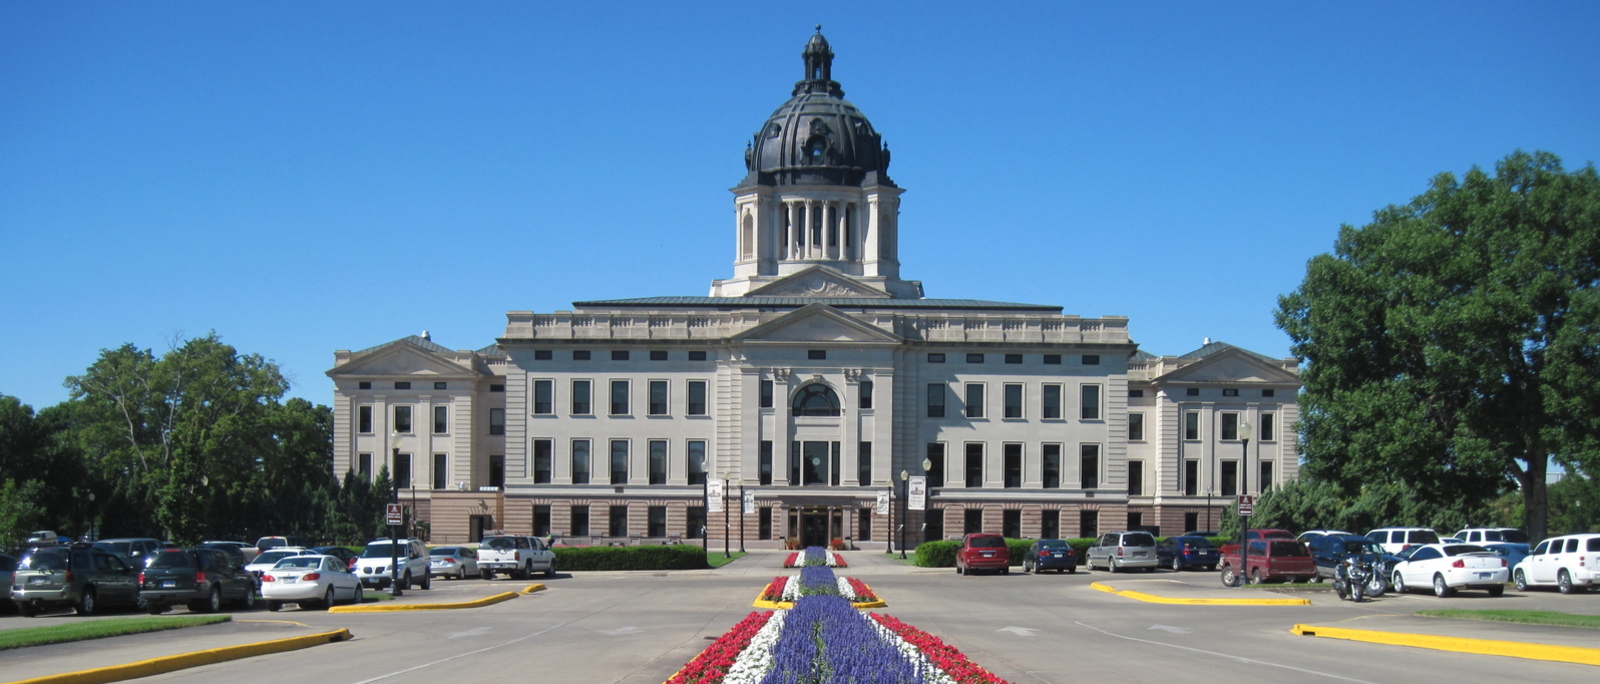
{"points": [[641, 627]]}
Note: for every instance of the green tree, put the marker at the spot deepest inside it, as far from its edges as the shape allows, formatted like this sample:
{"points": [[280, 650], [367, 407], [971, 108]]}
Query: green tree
{"points": [[1452, 343], [42, 483]]}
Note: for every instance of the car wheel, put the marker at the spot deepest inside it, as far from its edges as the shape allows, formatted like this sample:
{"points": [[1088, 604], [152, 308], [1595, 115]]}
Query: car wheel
{"points": [[1111, 565], [1440, 589], [1027, 566], [327, 599], [405, 582], [214, 600], [1521, 580], [550, 572], [1005, 570], [86, 602], [1256, 578], [1564, 581], [1072, 569], [485, 575], [427, 582], [960, 570], [1497, 590], [155, 608], [1399, 583], [1229, 577], [461, 574], [249, 600], [1177, 564], [27, 610], [274, 606]]}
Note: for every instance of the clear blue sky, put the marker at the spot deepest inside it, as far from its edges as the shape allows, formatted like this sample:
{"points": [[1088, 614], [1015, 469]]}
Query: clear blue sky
{"points": [[302, 177]]}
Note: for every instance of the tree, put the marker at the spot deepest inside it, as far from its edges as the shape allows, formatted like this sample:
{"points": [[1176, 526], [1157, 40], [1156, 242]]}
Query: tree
{"points": [[42, 483], [1451, 345]]}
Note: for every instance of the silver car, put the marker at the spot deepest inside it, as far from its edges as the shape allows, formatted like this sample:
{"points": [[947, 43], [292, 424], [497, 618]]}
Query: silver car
{"points": [[1119, 550], [456, 562]]}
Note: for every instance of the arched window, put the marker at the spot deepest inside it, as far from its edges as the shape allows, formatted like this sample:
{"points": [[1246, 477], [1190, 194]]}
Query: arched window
{"points": [[747, 237], [816, 399]]}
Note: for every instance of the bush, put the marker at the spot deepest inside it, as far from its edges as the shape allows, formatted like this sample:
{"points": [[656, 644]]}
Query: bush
{"points": [[679, 557]]}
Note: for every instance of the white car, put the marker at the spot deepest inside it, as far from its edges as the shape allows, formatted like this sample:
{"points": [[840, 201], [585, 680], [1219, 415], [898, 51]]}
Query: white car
{"points": [[310, 581], [1490, 535], [265, 560], [1308, 535], [1449, 567], [374, 570], [1397, 539], [459, 562], [1570, 563]]}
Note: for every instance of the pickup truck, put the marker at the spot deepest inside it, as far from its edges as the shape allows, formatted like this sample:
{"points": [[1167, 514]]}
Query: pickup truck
{"points": [[1270, 560], [515, 556]]}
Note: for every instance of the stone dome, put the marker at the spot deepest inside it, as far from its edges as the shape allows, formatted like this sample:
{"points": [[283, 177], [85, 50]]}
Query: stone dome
{"points": [[817, 137]]}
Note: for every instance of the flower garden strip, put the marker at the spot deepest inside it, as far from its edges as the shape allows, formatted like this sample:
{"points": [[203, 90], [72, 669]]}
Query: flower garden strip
{"points": [[815, 555], [817, 580]]}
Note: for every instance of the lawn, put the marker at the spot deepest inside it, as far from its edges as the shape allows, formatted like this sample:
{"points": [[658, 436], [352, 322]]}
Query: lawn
{"points": [[715, 559], [1522, 617], [97, 629]]}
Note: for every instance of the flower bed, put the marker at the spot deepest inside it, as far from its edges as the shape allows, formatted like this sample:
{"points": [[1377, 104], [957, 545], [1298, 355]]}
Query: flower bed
{"points": [[783, 591], [814, 555], [824, 639]]}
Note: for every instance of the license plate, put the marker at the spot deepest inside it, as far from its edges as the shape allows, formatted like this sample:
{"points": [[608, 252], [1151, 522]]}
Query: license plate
{"points": [[1055, 555], [169, 584], [36, 580], [1485, 575], [987, 554], [1138, 555], [289, 580]]}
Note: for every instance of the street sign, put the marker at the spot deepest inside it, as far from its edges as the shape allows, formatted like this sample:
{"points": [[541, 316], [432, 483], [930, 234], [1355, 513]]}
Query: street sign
{"points": [[394, 514], [1247, 505], [917, 499], [714, 496]]}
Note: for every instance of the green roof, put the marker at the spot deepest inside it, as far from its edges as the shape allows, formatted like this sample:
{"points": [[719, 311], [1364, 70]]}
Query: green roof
{"points": [[734, 303]]}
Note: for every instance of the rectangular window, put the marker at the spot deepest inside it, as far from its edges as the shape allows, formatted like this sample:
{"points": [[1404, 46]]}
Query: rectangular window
{"points": [[364, 465], [1268, 433], [1051, 402], [816, 354], [658, 461], [1230, 426], [402, 419], [402, 471], [580, 355], [1088, 523], [1091, 402], [697, 356], [497, 388], [974, 400], [936, 394], [1013, 398], [1089, 466], [497, 470], [974, 464], [402, 385], [441, 471], [497, 421], [794, 464], [864, 464], [1091, 359], [936, 358], [441, 422], [765, 464], [866, 394], [658, 397], [974, 358], [619, 355], [936, 470], [694, 523], [541, 521], [1050, 458], [543, 460], [1135, 478], [1191, 477], [1191, 425], [697, 397], [864, 524], [580, 461], [364, 420], [934, 520], [1267, 393], [1230, 392], [1191, 521], [697, 461], [1230, 478], [1052, 359], [658, 355], [835, 464], [1135, 521], [544, 402], [766, 394], [1050, 523], [1013, 465], [1013, 358], [764, 522], [364, 385], [543, 355], [619, 461], [1136, 394], [580, 521], [618, 522], [441, 385], [1011, 523], [1136, 427], [972, 521], [1192, 391], [619, 397], [580, 398], [656, 519], [1265, 483]]}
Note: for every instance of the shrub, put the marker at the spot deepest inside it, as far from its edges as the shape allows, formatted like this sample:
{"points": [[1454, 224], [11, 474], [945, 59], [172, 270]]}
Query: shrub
{"points": [[678, 557]]}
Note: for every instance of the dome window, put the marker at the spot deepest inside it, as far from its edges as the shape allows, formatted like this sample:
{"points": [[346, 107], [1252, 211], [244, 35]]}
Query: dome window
{"points": [[815, 150], [816, 400]]}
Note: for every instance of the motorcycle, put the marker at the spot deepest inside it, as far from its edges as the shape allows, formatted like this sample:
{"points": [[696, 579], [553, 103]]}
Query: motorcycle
{"points": [[1355, 577]]}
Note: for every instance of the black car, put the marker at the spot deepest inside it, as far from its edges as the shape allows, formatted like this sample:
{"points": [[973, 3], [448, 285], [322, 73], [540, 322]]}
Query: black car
{"points": [[203, 579], [349, 557], [1329, 550], [1050, 554], [1187, 552]]}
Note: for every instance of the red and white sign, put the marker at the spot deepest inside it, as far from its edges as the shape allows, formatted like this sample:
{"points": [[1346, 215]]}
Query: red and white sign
{"points": [[395, 514], [1247, 505]]}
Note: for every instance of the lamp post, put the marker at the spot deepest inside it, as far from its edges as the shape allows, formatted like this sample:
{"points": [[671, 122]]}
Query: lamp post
{"points": [[927, 492], [741, 518], [1244, 490], [394, 531], [726, 519], [905, 479], [889, 547], [705, 527]]}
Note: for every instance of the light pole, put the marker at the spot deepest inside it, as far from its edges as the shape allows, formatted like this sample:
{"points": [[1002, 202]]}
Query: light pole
{"points": [[726, 519], [394, 532], [705, 527], [1244, 490], [889, 547], [905, 479], [741, 518]]}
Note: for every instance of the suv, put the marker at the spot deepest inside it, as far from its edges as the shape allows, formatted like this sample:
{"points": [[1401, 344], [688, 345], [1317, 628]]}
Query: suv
{"points": [[982, 551], [134, 550], [374, 570], [82, 577], [1571, 563], [1397, 539], [1490, 535], [1117, 550], [269, 543], [515, 556], [200, 578]]}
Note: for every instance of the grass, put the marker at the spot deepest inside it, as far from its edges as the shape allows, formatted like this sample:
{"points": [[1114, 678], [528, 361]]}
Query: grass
{"points": [[376, 596], [99, 629], [1521, 617], [716, 560]]}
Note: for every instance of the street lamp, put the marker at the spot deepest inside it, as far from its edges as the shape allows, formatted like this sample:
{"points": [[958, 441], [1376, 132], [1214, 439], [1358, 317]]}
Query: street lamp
{"points": [[1244, 490], [926, 465], [394, 531], [905, 479], [726, 519], [741, 517]]}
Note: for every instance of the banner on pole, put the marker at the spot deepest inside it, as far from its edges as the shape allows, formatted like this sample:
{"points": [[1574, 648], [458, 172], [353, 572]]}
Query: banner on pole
{"points": [[883, 503], [714, 496], [917, 498], [749, 501]]}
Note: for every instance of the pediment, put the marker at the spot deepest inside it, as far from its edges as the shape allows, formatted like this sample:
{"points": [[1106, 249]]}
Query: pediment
{"points": [[402, 359], [816, 323], [1230, 366], [817, 281]]}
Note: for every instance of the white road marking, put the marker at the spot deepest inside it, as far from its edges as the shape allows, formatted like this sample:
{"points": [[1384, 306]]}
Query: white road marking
{"points": [[630, 629], [1019, 631], [517, 640], [1228, 656], [468, 633], [1168, 628]]}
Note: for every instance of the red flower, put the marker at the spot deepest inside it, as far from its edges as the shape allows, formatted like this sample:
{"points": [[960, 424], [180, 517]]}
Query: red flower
{"points": [[712, 664], [863, 592], [839, 560], [774, 590], [792, 561], [946, 657]]}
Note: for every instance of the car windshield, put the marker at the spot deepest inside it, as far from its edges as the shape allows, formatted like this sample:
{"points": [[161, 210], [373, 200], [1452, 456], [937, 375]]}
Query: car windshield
{"points": [[1513, 536], [171, 559], [1138, 539], [114, 548], [1196, 542], [376, 551], [299, 562], [443, 551], [1052, 544], [500, 543], [987, 542], [1289, 548], [44, 561], [1422, 537]]}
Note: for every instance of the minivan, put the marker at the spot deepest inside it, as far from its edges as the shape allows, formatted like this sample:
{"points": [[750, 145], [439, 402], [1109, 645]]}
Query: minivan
{"points": [[1127, 549], [982, 551]]}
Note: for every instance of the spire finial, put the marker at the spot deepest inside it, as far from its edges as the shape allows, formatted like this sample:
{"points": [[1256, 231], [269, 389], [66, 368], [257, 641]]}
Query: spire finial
{"points": [[819, 28]]}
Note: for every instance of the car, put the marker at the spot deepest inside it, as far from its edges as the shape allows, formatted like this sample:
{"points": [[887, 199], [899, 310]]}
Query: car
{"points": [[1329, 550], [44, 538], [1125, 549], [309, 581], [458, 562], [1512, 552], [8, 571], [983, 551], [1270, 560], [266, 559], [517, 556], [1309, 535], [1187, 552], [80, 576], [1047, 554], [1571, 563], [243, 550], [1448, 568], [272, 542], [1489, 535], [1397, 539], [203, 579], [374, 568], [342, 553], [134, 550]]}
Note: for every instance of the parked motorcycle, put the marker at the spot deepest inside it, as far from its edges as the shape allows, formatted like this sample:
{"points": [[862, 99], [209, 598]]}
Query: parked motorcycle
{"points": [[1355, 577]]}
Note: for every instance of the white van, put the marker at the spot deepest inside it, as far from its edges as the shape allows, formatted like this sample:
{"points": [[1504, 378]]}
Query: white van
{"points": [[1397, 539]]}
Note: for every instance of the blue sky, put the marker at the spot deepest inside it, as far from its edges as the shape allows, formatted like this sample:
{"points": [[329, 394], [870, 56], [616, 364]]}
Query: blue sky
{"points": [[302, 177]]}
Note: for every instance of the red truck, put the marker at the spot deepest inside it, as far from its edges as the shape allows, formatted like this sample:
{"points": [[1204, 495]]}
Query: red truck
{"points": [[1271, 560]]}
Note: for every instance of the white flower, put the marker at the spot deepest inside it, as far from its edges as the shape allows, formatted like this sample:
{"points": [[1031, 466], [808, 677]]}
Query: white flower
{"points": [[756, 659], [791, 590]]}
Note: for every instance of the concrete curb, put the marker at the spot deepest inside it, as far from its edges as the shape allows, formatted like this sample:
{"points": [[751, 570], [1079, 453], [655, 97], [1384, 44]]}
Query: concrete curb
{"points": [[155, 666], [1510, 649], [486, 601], [531, 589], [1152, 598]]}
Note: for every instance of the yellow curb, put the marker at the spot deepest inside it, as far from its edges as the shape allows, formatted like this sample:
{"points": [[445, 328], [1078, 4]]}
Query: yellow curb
{"points": [[1510, 649], [785, 605], [531, 589], [163, 665], [363, 608], [1152, 598]]}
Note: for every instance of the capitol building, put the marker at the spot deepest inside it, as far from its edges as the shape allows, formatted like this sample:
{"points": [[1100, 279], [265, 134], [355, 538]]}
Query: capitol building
{"points": [[803, 396]]}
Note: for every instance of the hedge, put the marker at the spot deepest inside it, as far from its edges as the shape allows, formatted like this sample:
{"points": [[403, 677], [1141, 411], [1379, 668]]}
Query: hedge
{"points": [[677, 557]]}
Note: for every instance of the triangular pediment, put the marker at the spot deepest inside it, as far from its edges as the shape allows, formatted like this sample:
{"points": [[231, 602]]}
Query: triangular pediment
{"points": [[817, 281], [401, 358], [816, 323], [1230, 366]]}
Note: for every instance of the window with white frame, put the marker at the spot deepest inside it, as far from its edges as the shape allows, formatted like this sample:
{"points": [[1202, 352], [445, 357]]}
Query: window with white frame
{"points": [[697, 397], [1013, 400], [544, 397], [1136, 427], [1090, 402], [581, 397], [580, 461], [1089, 466], [619, 397], [974, 407], [402, 419], [1191, 425], [1230, 426], [497, 421], [1050, 400], [1268, 429]]}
